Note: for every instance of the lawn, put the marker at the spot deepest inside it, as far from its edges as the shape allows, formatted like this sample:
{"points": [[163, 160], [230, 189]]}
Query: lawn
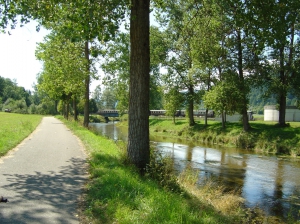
{"points": [[14, 128]]}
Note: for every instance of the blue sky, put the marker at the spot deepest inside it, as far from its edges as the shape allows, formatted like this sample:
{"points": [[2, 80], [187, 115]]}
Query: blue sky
{"points": [[17, 55]]}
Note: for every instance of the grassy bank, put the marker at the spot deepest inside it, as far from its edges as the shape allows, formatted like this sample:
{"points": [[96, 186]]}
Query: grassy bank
{"points": [[263, 136], [14, 128], [116, 193]]}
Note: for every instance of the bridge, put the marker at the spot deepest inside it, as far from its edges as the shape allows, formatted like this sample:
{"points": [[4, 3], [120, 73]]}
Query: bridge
{"points": [[115, 113], [108, 113], [179, 113]]}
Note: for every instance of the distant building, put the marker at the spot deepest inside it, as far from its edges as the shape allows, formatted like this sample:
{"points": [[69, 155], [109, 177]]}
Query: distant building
{"points": [[271, 113]]}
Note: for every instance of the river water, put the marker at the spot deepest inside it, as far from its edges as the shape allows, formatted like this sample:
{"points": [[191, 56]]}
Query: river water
{"points": [[268, 182]]}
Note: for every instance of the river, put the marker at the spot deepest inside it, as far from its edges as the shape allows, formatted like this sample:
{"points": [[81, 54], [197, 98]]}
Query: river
{"points": [[268, 182]]}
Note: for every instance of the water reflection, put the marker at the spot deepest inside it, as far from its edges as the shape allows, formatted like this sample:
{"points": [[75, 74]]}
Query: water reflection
{"points": [[268, 182], [110, 130]]}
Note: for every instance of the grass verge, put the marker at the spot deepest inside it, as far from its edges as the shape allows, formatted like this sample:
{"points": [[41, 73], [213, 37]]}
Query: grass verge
{"points": [[263, 137], [14, 128], [116, 193]]}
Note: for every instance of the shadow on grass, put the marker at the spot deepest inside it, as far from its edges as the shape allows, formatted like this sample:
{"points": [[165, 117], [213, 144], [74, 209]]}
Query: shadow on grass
{"points": [[155, 121]]}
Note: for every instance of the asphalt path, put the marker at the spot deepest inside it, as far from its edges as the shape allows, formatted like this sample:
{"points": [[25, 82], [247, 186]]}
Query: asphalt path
{"points": [[43, 176]]}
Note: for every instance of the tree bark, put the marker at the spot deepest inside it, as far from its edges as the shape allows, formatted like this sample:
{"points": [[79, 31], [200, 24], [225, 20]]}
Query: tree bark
{"points": [[67, 109], [87, 87], [282, 90], [75, 109], [191, 105], [138, 131], [245, 120], [223, 114], [206, 113]]}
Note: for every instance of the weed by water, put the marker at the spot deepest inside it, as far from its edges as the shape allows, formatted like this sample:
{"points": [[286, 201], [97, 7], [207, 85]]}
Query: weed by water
{"points": [[263, 136], [211, 192]]}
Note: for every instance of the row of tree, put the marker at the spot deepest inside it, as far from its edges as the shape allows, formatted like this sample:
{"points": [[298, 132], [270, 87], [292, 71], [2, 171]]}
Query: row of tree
{"points": [[93, 21], [214, 51], [228, 46], [16, 99], [222, 54]]}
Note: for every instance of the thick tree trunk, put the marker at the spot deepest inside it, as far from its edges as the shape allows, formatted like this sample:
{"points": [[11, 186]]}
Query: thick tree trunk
{"points": [[87, 87], [245, 120], [138, 131]]}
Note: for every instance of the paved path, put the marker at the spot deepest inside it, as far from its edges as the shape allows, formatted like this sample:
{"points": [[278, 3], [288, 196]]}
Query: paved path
{"points": [[42, 178]]}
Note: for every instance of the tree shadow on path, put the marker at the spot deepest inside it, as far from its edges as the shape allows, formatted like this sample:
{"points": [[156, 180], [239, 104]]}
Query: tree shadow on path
{"points": [[44, 198]]}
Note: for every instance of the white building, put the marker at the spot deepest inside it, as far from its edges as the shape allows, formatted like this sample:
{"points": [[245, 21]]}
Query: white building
{"points": [[271, 113]]}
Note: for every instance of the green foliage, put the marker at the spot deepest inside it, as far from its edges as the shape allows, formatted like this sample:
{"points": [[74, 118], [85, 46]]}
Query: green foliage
{"points": [[174, 100], [116, 68], [64, 70], [224, 98], [161, 169], [14, 97]]}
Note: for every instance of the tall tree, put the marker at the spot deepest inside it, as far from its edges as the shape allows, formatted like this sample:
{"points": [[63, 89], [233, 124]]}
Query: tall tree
{"points": [[279, 22], [63, 68], [180, 19], [138, 131], [79, 20]]}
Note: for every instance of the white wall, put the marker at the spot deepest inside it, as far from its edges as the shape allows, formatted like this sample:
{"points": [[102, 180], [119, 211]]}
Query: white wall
{"points": [[272, 114]]}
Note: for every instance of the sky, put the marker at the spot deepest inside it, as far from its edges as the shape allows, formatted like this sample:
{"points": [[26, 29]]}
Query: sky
{"points": [[17, 55]]}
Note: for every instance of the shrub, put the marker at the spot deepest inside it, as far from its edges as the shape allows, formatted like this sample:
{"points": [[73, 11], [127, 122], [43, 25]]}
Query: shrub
{"points": [[161, 169]]}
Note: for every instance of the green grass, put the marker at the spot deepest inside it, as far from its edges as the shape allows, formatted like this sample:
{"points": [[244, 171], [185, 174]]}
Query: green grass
{"points": [[263, 137], [14, 128], [116, 193]]}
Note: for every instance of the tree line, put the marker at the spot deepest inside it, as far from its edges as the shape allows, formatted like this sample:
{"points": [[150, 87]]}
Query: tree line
{"points": [[17, 99], [202, 53]]}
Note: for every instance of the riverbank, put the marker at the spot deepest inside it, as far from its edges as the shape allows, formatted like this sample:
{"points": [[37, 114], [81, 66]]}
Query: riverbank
{"points": [[266, 137], [116, 193], [14, 128]]}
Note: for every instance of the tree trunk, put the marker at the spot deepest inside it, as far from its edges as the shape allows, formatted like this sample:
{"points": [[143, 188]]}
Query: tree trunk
{"points": [[67, 109], [191, 106], [75, 109], [206, 113], [223, 114], [242, 86], [55, 109], [208, 88], [138, 131], [87, 87], [282, 89], [64, 109]]}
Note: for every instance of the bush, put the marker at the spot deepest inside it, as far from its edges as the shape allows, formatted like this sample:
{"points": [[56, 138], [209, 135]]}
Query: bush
{"points": [[161, 169]]}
